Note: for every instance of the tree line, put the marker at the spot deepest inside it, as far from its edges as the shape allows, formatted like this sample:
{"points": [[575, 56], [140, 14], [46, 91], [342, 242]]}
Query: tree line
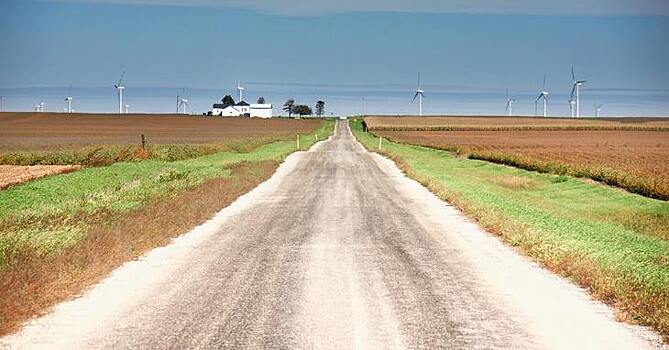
{"points": [[292, 108]]}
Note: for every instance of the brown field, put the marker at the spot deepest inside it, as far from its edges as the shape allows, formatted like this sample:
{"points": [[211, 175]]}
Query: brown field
{"points": [[58, 131], [634, 160], [11, 175], [512, 123]]}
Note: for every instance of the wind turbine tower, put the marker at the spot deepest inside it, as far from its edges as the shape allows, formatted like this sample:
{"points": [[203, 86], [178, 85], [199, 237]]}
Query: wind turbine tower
{"points": [[572, 108], [575, 91], [420, 94], [241, 91], [544, 97], [509, 104], [127, 107], [119, 87], [598, 109], [68, 100]]}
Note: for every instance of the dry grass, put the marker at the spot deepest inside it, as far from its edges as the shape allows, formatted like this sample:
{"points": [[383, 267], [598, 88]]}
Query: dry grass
{"points": [[637, 161], [11, 175], [500, 123], [30, 285], [514, 182]]}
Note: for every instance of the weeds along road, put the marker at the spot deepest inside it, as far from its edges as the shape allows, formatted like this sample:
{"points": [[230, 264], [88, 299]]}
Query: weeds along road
{"points": [[338, 250]]}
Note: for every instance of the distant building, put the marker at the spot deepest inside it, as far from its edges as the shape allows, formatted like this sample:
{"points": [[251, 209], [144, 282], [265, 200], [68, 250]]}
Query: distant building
{"points": [[261, 110], [242, 109]]}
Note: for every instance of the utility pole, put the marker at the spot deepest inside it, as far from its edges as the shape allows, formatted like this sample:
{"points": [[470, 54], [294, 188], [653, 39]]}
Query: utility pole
{"points": [[363, 106]]}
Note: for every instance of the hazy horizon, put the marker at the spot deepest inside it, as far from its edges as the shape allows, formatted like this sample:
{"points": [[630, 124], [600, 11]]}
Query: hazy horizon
{"points": [[340, 100]]}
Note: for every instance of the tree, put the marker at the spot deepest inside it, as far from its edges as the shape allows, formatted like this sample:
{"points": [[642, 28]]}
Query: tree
{"points": [[261, 100], [320, 108], [302, 110], [288, 106], [228, 101]]}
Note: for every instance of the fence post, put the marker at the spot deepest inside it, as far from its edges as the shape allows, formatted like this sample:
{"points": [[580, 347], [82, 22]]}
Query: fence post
{"points": [[298, 141], [380, 139], [143, 142]]}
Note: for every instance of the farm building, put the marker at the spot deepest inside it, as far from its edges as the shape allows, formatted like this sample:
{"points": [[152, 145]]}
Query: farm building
{"points": [[242, 109]]}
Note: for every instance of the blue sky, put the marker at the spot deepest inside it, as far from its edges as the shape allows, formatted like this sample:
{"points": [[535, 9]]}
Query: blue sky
{"points": [[476, 45]]}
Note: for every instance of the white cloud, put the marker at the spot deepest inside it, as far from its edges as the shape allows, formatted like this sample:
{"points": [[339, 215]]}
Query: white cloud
{"points": [[532, 7]]}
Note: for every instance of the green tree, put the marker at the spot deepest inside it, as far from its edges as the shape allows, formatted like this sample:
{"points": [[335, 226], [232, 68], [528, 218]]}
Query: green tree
{"points": [[288, 106], [320, 108], [228, 101], [302, 110]]}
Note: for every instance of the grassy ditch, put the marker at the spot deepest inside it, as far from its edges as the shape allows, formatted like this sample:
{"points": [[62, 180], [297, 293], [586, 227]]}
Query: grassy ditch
{"points": [[60, 234], [612, 242]]}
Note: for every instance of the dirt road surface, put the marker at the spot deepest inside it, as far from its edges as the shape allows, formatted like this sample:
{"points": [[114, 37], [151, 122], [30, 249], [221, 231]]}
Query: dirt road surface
{"points": [[338, 250]]}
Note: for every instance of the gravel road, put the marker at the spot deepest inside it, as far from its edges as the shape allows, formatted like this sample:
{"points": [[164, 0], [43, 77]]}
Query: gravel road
{"points": [[337, 250]]}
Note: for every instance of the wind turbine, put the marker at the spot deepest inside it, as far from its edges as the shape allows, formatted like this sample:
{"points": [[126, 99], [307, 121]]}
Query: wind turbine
{"points": [[119, 87], [39, 107], [509, 104], [420, 95], [182, 102], [68, 100], [576, 87], [542, 96], [241, 91], [598, 109], [127, 107]]}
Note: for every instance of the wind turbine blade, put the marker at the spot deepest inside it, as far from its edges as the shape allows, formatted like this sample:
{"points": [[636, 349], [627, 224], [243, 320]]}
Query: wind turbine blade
{"points": [[539, 97], [544, 86], [573, 90], [573, 76], [535, 107], [414, 97]]}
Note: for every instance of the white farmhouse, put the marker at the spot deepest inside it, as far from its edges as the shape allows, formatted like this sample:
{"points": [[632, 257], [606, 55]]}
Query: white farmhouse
{"points": [[242, 109]]}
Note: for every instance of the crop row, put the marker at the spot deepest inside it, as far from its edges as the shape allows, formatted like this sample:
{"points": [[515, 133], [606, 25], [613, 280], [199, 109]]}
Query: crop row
{"points": [[645, 186], [517, 128]]}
